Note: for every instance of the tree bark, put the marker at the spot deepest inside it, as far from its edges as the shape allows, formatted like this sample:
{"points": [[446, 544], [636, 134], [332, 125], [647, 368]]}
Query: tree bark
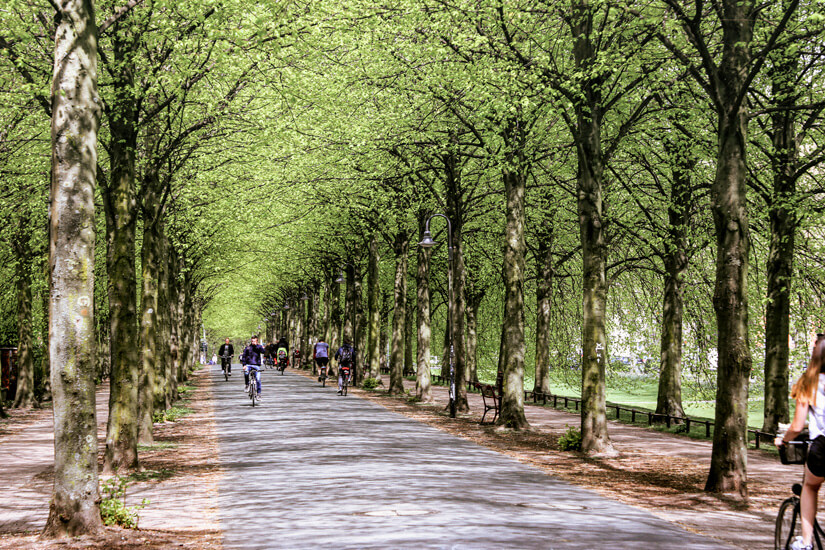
{"points": [[595, 439], [150, 266], [515, 186], [74, 508], [783, 223], [669, 400], [373, 352], [360, 330], [120, 206], [401, 247], [409, 330], [728, 470], [455, 211], [423, 385], [544, 290], [25, 361], [474, 298]]}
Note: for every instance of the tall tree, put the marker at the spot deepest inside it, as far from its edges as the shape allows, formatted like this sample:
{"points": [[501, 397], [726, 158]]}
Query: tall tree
{"points": [[74, 508]]}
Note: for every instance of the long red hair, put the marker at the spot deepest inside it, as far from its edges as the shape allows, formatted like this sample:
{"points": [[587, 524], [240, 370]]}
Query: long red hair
{"points": [[804, 389]]}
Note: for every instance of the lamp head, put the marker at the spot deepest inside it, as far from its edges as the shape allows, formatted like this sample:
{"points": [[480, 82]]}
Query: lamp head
{"points": [[340, 279], [427, 241]]}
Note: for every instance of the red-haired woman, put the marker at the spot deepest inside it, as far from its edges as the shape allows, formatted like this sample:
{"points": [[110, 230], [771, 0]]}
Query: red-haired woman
{"points": [[809, 392]]}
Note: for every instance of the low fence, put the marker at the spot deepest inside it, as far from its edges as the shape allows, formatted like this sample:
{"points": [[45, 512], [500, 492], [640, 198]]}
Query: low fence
{"points": [[652, 417]]}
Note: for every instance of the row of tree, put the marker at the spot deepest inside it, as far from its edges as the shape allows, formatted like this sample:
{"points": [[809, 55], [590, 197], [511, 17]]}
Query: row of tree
{"points": [[234, 159]]}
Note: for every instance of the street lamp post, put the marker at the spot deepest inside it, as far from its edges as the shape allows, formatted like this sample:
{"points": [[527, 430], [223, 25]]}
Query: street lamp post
{"points": [[428, 242]]}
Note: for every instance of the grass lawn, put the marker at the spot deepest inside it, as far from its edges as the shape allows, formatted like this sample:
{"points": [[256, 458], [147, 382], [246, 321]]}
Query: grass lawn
{"points": [[643, 396]]}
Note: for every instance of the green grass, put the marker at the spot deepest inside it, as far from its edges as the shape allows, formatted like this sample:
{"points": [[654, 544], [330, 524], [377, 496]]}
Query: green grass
{"points": [[159, 446], [172, 415]]}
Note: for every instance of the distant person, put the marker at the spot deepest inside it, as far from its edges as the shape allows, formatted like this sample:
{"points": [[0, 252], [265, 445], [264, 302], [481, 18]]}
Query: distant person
{"points": [[282, 353], [346, 358], [320, 354], [252, 360], [226, 351], [809, 392]]}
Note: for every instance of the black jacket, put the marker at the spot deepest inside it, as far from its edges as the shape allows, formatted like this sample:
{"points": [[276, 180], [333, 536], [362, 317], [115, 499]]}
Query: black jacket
{"points": [[228, 348]]}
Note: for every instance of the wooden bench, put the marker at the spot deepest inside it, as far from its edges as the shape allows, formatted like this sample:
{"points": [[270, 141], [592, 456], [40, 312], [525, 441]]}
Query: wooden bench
{"points": [[491, 398]]}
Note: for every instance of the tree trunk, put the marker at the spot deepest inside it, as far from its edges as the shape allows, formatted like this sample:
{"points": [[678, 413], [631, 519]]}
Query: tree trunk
{"points": [[399, 314], [474, 298], [728, 470], [373, 352], [595, 439], [25, 361], [409, 330], [336, 317], [544, 290], [669, 401], [783, 222], [512, 400], [349, 305], [74, 508], [359, 340], [120, 206], [150, 265], [423, 387]]}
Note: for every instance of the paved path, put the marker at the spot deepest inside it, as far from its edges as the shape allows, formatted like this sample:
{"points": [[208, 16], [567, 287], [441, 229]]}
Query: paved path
{"points": [[310, 469]]}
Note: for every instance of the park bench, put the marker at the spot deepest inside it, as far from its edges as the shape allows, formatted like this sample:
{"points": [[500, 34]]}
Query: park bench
{"points": [[491, 399]]}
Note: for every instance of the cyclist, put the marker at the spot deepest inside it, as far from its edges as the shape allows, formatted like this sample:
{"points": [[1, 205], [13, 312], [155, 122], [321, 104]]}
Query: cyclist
{"points": [[346, 358], [282, 353], [226, 352], [251, 360], [320, 354], [296, 358], [271, 349], [809, 392]]}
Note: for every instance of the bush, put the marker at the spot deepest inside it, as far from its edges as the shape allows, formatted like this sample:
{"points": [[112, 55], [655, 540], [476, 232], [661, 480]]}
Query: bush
{"points": [[571, 440], [113, 507], [370, 383]]}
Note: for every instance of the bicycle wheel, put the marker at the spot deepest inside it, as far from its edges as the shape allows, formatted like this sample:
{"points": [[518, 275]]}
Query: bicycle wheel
{"points": [[226, 375], [323, 381], [788, 524]]}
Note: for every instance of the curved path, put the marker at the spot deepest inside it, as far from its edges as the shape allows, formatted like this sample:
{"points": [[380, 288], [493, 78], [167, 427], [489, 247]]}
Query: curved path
{"points": [[310, 469]]}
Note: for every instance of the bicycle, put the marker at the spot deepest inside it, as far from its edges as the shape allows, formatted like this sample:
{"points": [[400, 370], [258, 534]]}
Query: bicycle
{"points": [[226, 360], [788, 520], [253, 385], [282, 365], [323, 377], [269, 362], [346, 379]]}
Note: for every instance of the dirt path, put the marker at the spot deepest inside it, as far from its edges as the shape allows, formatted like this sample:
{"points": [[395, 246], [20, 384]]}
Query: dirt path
{"points": [[179, 478], [660, 472]]}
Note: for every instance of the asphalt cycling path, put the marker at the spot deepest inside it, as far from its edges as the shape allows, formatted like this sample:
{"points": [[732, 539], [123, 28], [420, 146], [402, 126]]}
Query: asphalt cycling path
{"points": [[308, 468]]}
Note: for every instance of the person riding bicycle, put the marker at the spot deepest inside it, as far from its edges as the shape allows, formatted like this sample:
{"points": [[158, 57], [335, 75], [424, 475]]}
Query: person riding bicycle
{"points": [[225, 352], [320, 354], [346, 359], [271, 349], [252, 361], [809, 392], [282, 353], [296, 358]]}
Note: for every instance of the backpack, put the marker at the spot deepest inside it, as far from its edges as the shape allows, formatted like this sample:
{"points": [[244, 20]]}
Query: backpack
{"points": [[345, 355], [282, 354]]}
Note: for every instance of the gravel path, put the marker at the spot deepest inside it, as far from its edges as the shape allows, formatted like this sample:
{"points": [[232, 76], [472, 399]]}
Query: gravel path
{"points": [[310, 469]]}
